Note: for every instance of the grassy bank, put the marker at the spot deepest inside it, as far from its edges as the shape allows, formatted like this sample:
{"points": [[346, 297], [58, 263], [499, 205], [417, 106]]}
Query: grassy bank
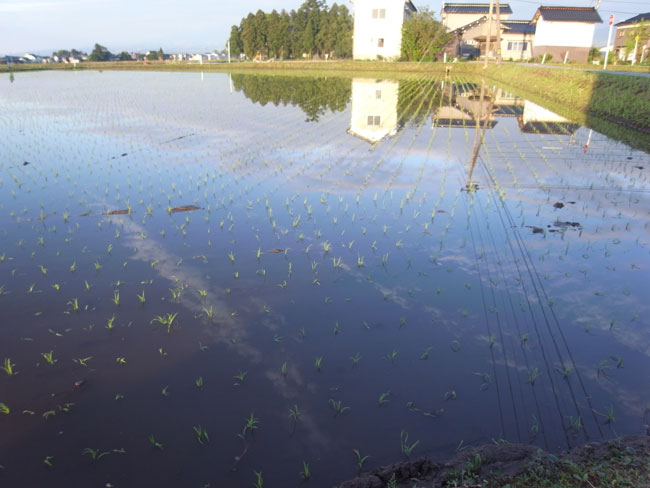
{"points": [[622, 462]]}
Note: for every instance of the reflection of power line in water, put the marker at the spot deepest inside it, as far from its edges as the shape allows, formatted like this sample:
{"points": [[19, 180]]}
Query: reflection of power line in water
{"points": [[537, 286]]}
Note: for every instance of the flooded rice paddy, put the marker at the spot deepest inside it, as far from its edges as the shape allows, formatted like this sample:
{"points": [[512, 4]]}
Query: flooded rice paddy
{"points": [[214, 280]]}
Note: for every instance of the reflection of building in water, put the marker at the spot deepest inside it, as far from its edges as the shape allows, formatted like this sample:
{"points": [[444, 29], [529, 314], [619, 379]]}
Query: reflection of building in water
{"points": [[536, 119], [507, 104], [465, 107], [374, 109]]}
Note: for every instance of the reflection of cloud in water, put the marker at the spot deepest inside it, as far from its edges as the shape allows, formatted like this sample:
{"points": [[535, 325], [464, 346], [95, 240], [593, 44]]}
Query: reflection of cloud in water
{"points": [[223, 328]]}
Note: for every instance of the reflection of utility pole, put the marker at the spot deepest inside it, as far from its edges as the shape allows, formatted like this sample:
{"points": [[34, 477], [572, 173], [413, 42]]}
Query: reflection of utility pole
{"points": [[479, 136], [230, 79], [498, 33], [588, 141], [489, 32]]}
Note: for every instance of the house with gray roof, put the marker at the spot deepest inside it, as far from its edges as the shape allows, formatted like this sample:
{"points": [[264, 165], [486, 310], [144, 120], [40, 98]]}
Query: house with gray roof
{"points": [[626, 37], [565, 32]]}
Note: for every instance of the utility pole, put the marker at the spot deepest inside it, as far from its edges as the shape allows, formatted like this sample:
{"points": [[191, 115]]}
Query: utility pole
{"points": [[489, 33], [498, 33], [609, 40], [228, 44]]}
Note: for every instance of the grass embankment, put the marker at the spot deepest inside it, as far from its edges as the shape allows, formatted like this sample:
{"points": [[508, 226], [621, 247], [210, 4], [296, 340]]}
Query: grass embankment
{"points": [[623, 462], [605, 102]]}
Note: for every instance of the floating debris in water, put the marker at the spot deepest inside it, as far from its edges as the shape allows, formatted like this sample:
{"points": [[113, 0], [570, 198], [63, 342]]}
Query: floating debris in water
{"points": [[125, 211], [184, 208], [275, 251]]}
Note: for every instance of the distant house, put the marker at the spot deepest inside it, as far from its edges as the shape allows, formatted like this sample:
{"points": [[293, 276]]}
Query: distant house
{"points": [[625, 38], [471, 39], [469, 23], [33, 58], [378, 28], [565, 32], [455, 15], [517, 39]]}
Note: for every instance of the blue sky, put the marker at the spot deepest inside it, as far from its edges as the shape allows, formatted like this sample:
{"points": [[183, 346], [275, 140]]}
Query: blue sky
{"points": [[41, 26]]}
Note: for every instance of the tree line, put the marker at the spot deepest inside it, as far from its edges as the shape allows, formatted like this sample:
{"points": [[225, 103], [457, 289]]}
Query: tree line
{"points": [[312, 30]]}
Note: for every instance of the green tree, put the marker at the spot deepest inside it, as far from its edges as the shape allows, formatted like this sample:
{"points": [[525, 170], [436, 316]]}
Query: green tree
{"points": [[124, 56], [423, 36], [236, 47], [640, 31], [99, 53]]}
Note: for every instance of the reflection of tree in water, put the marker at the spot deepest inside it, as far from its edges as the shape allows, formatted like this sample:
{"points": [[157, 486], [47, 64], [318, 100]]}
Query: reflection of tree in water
{"points": [[416, 100], [313, 95]]}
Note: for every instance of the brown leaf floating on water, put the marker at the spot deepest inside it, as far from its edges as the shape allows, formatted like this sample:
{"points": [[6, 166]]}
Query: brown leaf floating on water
{"points": [[184, 208], [275, 251], [124, 211]]}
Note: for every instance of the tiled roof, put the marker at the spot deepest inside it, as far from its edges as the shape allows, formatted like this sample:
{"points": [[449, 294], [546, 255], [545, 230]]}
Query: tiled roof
{"points": [[518, 26], [473, 8], [409, 6], [568, 14], [636, 19]]}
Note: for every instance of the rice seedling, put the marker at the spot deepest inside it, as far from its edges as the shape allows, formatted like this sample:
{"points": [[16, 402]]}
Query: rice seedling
{"points": [[259, 481], [120, 360], [109, 324], [240, 378], [391, 356], [251, 424], [83, 361], [141, 297], [154, 443], [318, 362], [359, 459], [337, 406], [294, 414], [165, 391], [201, 434], [283, 369], [564, 371], [305, 473], [607, 415], [199, 382], [575, 423], [449, 395], [4, 409], [406, 447], [533, 375], [49, 413], [8, 367], [425, 355], [167, 320], [355, 359], [94, 454], [49, 358], [116, 298], [383, 399], [48, 462]]}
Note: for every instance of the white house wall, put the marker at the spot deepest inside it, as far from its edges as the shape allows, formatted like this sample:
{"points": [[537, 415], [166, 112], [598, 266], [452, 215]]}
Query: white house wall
{"points": [[368, 31], [535, 113], [374, 109], [575, 34]]}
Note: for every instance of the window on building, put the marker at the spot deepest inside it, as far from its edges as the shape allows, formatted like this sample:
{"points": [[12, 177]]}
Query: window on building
{"points": [[378, 94], [380, 42], [517, 46], [374, 120], [378, 13]]}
